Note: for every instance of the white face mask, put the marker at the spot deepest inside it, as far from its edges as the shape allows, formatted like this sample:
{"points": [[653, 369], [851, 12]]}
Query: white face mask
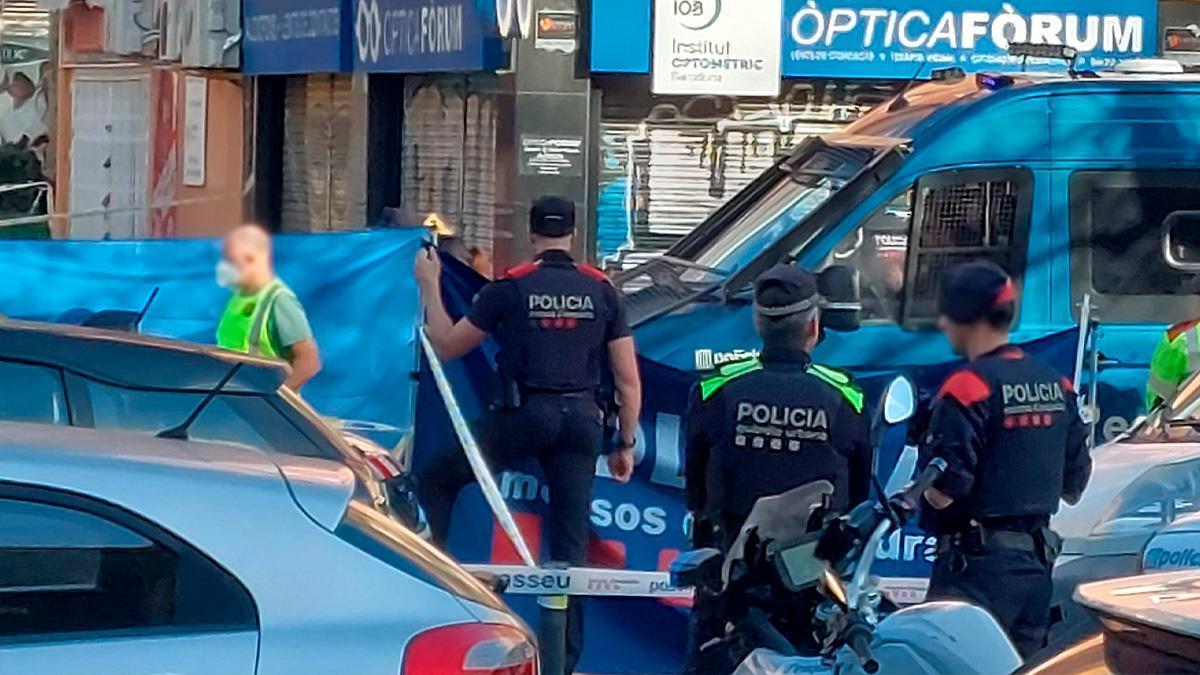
{"points": [[228, 276]]}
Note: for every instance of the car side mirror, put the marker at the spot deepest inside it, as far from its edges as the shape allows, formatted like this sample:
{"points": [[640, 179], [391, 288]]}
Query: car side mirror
{"points": [[1181, 240], [842, 310]]}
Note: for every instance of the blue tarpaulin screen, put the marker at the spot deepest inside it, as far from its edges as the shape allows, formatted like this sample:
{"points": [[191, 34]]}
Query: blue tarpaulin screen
{"points": [[357, 288]]}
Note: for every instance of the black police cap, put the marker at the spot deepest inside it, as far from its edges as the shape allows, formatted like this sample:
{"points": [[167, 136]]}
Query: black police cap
{"points": [[972, 291], [784, 290], [552, 217]]}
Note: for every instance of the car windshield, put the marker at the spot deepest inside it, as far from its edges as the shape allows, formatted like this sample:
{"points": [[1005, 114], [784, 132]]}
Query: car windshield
{"points": [[1178, 419], [805, 185], [244, 419]]}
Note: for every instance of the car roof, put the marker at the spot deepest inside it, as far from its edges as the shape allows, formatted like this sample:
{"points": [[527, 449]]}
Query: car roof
{"points": [[145, 472], [137, 361]]}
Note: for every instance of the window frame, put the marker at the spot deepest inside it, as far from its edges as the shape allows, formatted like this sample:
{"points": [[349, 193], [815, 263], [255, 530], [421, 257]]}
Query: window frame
{"points": [[188, 556], [1025, 181], [1118, 308]]}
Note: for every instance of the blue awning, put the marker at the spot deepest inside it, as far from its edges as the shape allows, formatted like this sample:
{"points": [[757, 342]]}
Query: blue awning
{"points": [[286, 37], [420, 36]]}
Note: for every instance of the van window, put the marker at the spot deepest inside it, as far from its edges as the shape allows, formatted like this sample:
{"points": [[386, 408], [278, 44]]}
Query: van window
{"points": [[963, 216], [1117, 228], [878, 250]]}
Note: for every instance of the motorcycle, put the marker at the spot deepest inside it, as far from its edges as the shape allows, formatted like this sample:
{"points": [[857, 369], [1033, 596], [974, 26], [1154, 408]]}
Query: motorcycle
{"points": [[798, 596]]}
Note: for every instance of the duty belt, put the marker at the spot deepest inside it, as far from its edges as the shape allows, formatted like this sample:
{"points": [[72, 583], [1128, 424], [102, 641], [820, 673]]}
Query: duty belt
{"points": [[980, 538]]}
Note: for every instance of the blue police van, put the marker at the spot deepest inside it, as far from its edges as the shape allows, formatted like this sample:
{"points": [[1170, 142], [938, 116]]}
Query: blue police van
{"points": [[1085, 186]]}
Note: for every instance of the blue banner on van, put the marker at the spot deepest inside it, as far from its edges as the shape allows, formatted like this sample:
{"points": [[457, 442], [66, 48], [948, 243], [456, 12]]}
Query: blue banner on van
{"points": [[897, 39], [284, 37]]}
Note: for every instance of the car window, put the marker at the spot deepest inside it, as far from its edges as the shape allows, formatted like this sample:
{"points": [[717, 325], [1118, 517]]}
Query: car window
{"points": [[877, 250], [231, 418], [31, 393], [66, 571]]}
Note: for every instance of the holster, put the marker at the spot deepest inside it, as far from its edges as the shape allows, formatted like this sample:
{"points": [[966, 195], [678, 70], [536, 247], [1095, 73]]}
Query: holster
{"points": [[1051, 544], [510, 394]]}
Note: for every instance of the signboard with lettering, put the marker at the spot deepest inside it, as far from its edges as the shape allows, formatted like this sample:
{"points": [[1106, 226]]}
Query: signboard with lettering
{"points": [[416, 36], [891, 39], [715, 47], [897, 39], [283, 37]]}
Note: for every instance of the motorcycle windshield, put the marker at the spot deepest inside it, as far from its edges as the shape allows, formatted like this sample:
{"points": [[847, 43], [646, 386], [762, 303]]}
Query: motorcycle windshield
{"points": [[783, 517]]}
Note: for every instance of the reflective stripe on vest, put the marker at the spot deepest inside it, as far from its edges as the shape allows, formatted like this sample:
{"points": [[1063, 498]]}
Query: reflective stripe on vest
{"points": [[842, 382], [245, 326], [834, 378], [726, 374], [1193, 349]]}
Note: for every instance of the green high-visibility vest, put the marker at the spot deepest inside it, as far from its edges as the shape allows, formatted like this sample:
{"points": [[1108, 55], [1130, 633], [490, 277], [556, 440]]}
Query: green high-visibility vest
{"points": [[834, 378], [244, 325], [1175, 359]]}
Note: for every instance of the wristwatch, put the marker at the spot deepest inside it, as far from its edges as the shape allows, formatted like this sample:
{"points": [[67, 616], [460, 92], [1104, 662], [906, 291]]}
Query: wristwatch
{"points": [[622, 445]]}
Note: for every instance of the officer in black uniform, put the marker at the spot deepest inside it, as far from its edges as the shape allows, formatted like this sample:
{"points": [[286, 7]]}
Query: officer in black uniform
{"points": [[1009, 429], [764, 426], [558, 324]]}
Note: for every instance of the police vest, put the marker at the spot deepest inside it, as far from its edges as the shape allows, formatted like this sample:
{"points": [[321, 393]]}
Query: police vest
{"points": [[557, 340], [774, 429], [1027, 410], [244, 325]]}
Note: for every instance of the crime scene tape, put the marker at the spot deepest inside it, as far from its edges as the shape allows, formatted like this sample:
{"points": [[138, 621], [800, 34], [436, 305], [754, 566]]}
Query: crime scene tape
{"points": [[589, 581]]}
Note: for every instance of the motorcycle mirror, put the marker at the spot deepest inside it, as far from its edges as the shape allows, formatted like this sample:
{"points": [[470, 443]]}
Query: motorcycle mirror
{"points": [[899, 401], [842, 309]]}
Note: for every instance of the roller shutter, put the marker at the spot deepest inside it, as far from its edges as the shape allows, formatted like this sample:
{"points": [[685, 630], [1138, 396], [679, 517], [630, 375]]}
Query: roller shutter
{"points": [[666, 168], [449, 155], [316, 146]]}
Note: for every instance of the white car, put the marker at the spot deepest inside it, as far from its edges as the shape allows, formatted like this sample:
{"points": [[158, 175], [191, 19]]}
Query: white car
{"points": [[126, 554], [1142, 483]]}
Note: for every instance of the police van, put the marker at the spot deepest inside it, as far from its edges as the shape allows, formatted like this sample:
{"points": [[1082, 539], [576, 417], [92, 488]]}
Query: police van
{"points": [[1084, 186]]}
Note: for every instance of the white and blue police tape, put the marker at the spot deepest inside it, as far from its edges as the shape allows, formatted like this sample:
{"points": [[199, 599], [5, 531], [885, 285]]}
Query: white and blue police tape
{"points": [[595, 582], [491, 492]]}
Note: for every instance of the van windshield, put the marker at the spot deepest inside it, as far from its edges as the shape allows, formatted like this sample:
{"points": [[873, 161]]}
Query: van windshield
{"points": [[805, 183]]}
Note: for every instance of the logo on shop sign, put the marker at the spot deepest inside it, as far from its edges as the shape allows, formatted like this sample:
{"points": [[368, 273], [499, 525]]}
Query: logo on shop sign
{"points": [[368, 30], [514, 18], [697, 14]]}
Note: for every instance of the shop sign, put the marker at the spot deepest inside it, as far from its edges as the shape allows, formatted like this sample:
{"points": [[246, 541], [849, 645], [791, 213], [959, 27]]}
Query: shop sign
{"points": [[414, 36], [894, 39], [716, 47], [857, 38], [283, 37]]}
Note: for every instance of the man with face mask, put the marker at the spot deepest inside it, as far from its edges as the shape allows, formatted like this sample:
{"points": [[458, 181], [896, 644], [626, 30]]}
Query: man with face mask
{"points": [[263, 317], [1008, 427]]}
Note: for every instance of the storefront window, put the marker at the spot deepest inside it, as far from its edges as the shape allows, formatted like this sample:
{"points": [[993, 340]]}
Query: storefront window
{"points": [[24, 123]]}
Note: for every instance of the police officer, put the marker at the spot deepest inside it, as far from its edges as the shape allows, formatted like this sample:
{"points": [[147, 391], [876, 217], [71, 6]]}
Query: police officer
{"points": [[558, 323], [1009, 429], [1175, 359], [764, 426]]}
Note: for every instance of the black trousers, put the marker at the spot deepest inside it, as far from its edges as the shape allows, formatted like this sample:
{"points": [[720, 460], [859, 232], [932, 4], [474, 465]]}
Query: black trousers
{"points": [[1014, 585], [563, 432]]}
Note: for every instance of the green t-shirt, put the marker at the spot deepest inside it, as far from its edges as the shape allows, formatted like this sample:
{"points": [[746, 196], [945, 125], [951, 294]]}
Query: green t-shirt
{"points": [[288, 324]]}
